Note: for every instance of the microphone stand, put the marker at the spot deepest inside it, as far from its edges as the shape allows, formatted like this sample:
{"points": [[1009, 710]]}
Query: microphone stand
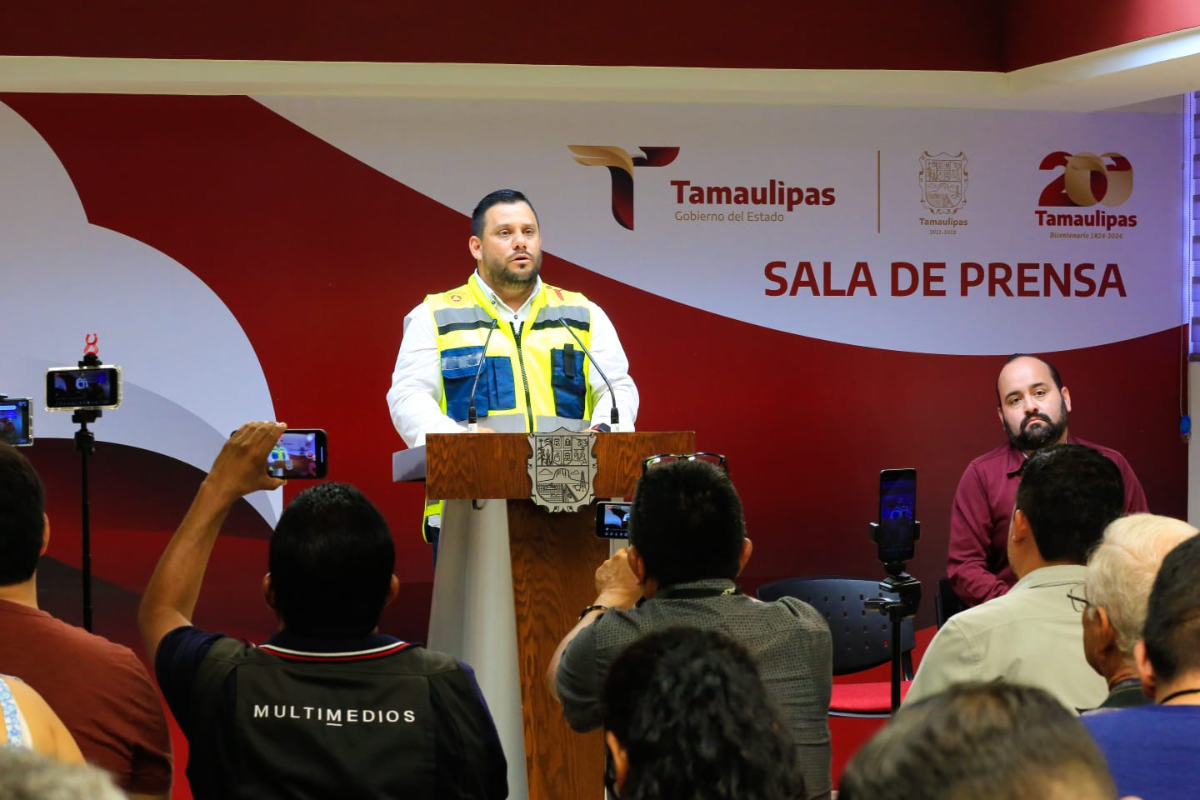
{"points": [[472, 417], [614, 417]]}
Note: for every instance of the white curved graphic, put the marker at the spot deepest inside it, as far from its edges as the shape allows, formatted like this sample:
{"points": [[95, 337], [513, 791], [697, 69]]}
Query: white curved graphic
{"points": [[870, 159], [190, 375]]}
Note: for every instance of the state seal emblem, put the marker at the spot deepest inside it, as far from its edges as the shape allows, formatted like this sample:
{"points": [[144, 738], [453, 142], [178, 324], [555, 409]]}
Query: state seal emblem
{"points": [[943, 180], [562, 469]]}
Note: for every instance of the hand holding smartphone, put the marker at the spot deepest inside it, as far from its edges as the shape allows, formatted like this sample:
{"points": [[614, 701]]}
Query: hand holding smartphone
{"points": [[612, 520]]}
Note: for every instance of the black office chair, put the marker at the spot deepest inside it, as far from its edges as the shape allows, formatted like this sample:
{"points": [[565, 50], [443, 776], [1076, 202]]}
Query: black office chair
{"points": [[946, 602], [861, 638]]}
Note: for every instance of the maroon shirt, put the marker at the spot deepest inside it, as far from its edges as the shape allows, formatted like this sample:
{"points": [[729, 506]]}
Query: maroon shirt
{"points": [[977, 564], [100, 690]]}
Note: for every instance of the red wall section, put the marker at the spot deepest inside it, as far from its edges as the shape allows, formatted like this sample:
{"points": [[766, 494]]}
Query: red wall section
{"points": [[916, 34], [269, 216], [1040, 31], [984, 35]]}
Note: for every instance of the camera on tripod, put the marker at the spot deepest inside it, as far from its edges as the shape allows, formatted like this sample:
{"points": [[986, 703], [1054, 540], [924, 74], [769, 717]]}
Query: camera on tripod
{"points": [[896, 533], [86, 390], [87, 387], [895, 536]]}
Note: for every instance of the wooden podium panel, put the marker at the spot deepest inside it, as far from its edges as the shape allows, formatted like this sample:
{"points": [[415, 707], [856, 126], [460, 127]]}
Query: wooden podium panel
{"points": [[494, 465], [553, 562], [560, 762]]}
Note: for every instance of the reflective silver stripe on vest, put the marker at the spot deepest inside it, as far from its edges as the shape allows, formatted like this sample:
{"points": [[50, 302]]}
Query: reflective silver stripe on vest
{"points": [[515, 423], [576, 316], [464, 361], [448, 320], [445, 316]]}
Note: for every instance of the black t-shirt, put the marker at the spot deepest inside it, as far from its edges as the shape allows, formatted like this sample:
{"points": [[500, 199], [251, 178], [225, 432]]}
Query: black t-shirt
{"points": [[303, 718]]}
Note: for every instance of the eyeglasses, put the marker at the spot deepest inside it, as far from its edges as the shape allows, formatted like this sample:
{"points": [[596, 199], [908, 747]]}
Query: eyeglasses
{"points": [[716, 459], [1080, 604]]}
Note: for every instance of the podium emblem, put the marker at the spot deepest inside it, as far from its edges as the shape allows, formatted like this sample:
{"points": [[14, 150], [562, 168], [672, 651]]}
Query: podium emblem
{"points": [[562, 469]]}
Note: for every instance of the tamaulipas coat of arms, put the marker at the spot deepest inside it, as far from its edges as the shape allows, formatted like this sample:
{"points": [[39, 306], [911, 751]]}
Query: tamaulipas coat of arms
{"points": [[943, 180], [562, 469]]}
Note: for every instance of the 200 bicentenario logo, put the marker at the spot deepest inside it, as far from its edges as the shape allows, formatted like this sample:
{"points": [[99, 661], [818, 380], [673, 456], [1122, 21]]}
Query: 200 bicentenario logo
{"points": [[1084, 181]]}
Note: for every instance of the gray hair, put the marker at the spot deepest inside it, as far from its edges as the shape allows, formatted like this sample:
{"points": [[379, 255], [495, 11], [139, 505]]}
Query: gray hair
{"points": [[1121, 570], [26, 775]]}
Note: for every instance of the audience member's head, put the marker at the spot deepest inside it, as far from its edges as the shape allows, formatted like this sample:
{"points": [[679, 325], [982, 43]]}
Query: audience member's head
{"points": [[1120, 572], [978, 740], [686, 715], [1068, 495], [26, 775], [22, 523], [331, 561], [686, 523], [1169, 653]]}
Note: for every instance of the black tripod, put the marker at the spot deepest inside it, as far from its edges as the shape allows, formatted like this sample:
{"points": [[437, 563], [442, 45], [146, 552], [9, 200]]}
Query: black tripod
{"points": [[85, 444], [902, 596]]}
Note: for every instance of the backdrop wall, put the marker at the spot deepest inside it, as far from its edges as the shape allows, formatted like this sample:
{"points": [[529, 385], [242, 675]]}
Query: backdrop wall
{"points": [[819, 293]]}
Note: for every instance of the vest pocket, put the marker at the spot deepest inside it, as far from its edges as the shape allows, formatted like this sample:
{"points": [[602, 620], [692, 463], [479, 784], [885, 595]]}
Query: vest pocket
{"points": [[495, 392], [502, 393], [566, 378]]}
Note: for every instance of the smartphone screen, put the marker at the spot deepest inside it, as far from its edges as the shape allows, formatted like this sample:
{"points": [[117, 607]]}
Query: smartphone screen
{"points": [[300, 453], [16, 421], [74, 388], [612, 520], [897, 494], [897, 512]]}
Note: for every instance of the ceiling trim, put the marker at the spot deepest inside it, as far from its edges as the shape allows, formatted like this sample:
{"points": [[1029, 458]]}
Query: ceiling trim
{"points": [[1119, 76]]}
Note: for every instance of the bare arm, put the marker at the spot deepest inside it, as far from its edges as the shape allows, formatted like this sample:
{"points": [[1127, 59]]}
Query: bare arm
{"points": [[616, 587], [50, 736], [240, 468]]}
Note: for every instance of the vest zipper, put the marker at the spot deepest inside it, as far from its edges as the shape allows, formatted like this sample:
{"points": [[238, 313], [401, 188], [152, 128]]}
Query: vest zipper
{"points": [[524, 380]]}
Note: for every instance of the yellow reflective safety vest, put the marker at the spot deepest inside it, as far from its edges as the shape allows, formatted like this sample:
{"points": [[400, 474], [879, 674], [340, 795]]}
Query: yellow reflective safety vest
{"points": [[534, 376]]}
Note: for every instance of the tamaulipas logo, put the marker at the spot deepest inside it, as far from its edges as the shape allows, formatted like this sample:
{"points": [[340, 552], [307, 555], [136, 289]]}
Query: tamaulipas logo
{"points": [[620, 166]]}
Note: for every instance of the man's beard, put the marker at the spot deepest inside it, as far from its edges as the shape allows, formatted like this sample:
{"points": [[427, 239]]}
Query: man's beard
{"points": [[509, 278], [1041, 436]]}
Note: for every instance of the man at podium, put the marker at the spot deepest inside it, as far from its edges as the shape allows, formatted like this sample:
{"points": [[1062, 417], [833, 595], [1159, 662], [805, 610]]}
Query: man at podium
{"points": [[506, 348]]}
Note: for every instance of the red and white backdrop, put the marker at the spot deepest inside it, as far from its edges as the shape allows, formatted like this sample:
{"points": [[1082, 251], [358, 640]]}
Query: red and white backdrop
{"points": [[818, 293]]}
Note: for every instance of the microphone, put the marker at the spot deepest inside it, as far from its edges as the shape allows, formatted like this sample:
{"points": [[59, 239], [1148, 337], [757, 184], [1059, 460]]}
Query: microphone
{"points": [[614, 418], [472, 417]]}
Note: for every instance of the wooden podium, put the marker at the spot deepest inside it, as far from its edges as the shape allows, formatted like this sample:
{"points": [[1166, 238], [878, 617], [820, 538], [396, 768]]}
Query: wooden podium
{"points": [[505, 619]]}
